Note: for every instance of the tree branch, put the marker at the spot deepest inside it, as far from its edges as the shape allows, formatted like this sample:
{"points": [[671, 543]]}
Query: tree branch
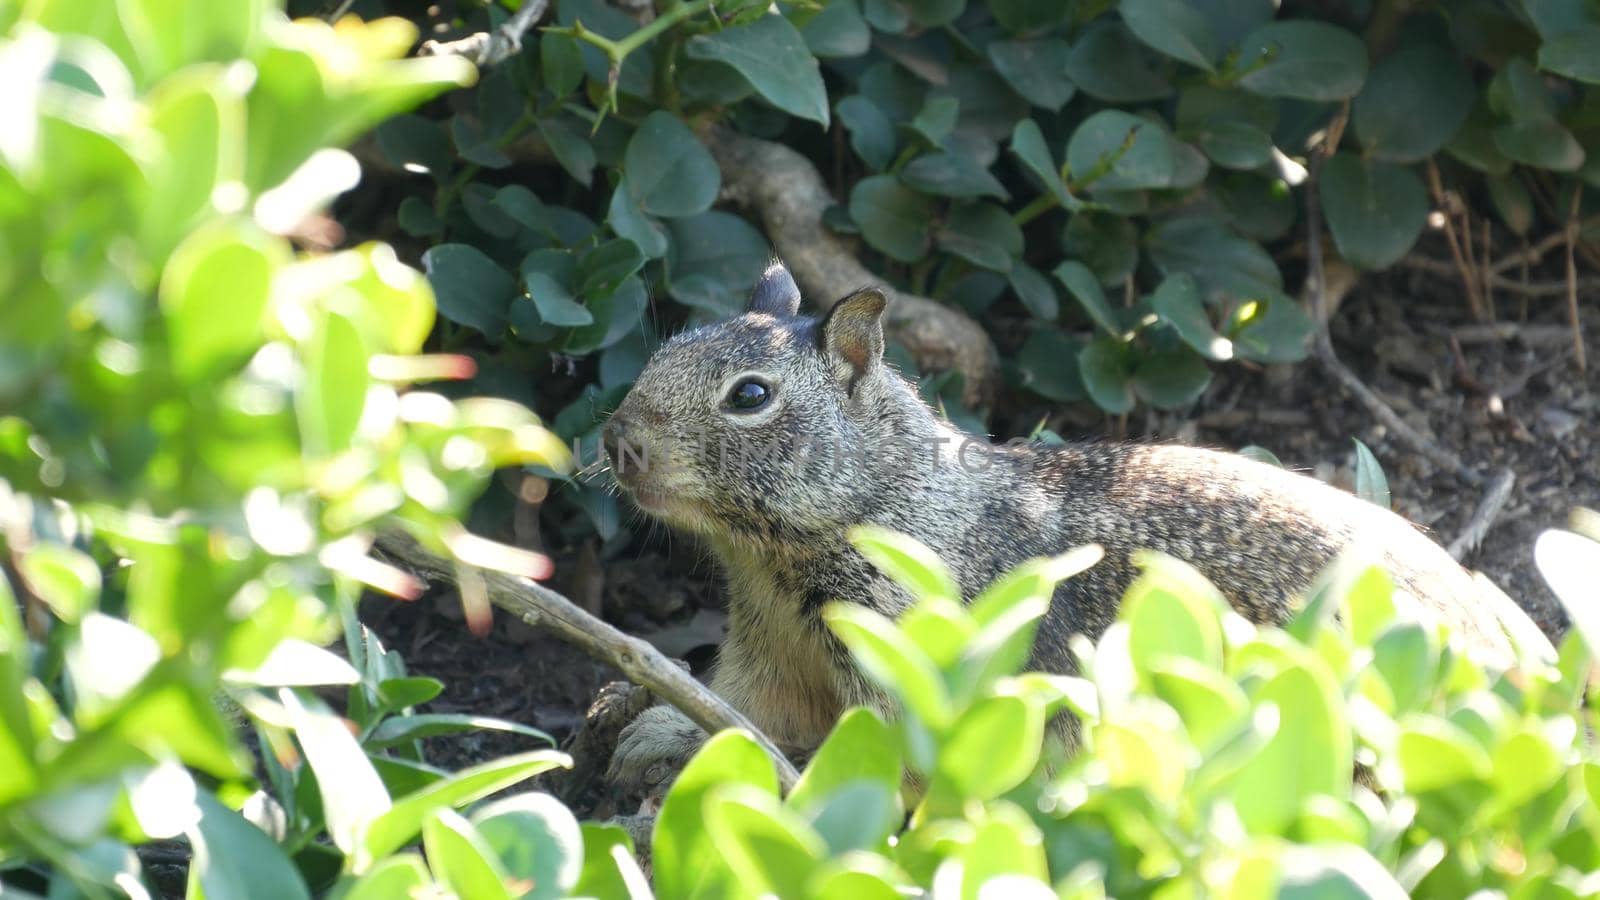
{"points": [[541, 607], [789, 196], [486, 48]]}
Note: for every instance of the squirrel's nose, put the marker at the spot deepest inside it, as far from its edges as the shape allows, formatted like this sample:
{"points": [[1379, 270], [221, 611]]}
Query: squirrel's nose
{"points": [[613, 436]]}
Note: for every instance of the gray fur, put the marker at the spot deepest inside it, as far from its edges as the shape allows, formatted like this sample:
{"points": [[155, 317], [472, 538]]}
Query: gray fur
{"points": [[843, 443]]}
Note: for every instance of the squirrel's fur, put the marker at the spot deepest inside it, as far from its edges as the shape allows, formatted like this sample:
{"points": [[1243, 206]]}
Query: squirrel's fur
{"points": [[843, 439]]}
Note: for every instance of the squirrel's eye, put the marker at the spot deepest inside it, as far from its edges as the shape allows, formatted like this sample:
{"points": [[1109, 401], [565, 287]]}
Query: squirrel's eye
{"points": [[748, 394]]}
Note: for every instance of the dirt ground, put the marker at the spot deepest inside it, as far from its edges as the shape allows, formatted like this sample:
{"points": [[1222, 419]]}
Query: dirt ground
{"points": [[1507, 396]]}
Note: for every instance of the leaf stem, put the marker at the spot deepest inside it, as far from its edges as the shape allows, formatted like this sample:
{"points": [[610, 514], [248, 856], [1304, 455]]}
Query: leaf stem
{"points": [[1041, 205]]}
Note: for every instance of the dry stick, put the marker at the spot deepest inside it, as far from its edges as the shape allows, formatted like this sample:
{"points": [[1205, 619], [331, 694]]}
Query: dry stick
{"points": [[1436, 187], [1572, 286], [643, 664], [486, 48], [1502, 283], [1323, 342], [1494, 500]]}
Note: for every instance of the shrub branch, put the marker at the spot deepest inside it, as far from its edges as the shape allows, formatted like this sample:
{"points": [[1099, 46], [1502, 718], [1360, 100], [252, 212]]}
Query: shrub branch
{"points": [[544, 608], [486, 48]]}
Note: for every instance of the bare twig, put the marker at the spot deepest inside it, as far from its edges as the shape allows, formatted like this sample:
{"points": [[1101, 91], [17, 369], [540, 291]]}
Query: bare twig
{"points": [[541, 607], [486, 48], [1494, 500], [1461, 256], [1501, 282], [1572, 286], [1316, 284]]}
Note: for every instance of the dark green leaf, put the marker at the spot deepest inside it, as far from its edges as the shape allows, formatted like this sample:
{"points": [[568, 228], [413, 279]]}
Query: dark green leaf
{"points": [[1303, 59], [416, 144], [1116, 151], [1108, 244], [950, 174], [1474, 143], [418, 219], [837, 31], [1236, 145], [1108, 64], [1259, 206], [716, 259], [401, 693], [400, 729], [1177, 302], [1375, 210], [1033, 290], [1334, 873], [1028, 15], [470, 288], [572, 150], [1221, 261], [1413, 104], [1541, 143], [1036, 70], [772, 56], [1276, 329], [547, 276], [1083, 285], [936, 119], [1104, 370], [629, 221], [536, 839], [1574, 53], [1512, 201], [475, 146], [478, 199], [893, 218], [982, 234], [561, 61], [888, 16], [929, 13], [233, 858], [1028, 145], [871, 134], [669, 172], [1049, 365], [1371, 485], [603, 269], [615, 315], [1174, 27], [1168, 379]]}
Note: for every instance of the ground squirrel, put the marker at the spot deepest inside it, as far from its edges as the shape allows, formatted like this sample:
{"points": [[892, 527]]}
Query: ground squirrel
{"points": [[769, 434]]}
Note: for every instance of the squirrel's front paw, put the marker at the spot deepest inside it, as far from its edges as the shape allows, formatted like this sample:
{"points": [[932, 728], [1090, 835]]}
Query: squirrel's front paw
{"points": [[653, 749]]}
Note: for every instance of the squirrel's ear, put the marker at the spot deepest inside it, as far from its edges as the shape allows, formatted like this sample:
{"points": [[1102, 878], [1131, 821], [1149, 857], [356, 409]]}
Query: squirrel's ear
{"points": [[852, 332], [775, 292]]}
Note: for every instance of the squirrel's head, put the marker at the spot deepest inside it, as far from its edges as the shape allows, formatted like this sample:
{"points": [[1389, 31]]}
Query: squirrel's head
{"points": [[747, 427]]}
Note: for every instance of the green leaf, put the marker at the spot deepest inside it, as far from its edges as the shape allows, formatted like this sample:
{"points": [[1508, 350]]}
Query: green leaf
{"points": [[616, 315], [335, 390], [296, 663], [1541, 143], [1033, 290], [1525, 765], [1257, 206], [571, 149], [1103, 367], [1085, 287], [715, 258], [67, 580], [405, 692], [871, 133], [773, 57], [888, 657], [982, 234], [471, 289], [769, 847], [860, 747], [401, 729], [1177, 302], [1272, 330], [1371, 485], [209, 265], [403, 821], [1028, 15], [908, 561], [233, 858], [1210, 704], [1474, 143], [1261, 455], [1109, 65], [1302, 59], [1413, 103], [1048, 362], [936, 119], [861, 815], [1117, 151], [1334, 873], [561, 62], [991, 749], [1036, 70], [416, 144], [546, 275], [1574, 53], [403, 875], [1375, 210], [609, 869], [837, 31], [950, 174], [669, 172], [603, 269], [1235, 145], [1168, 379], [1408, 659], [893, 218], [1220, 260], [1105, 242], [1512, 201], [418, 219], [1311, 751], [1178, 29], [1028, 145], [536, 840], [1434, 753], [465, 862], [352, 794], [629, 221], [1171, 611], [686, 858]]}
